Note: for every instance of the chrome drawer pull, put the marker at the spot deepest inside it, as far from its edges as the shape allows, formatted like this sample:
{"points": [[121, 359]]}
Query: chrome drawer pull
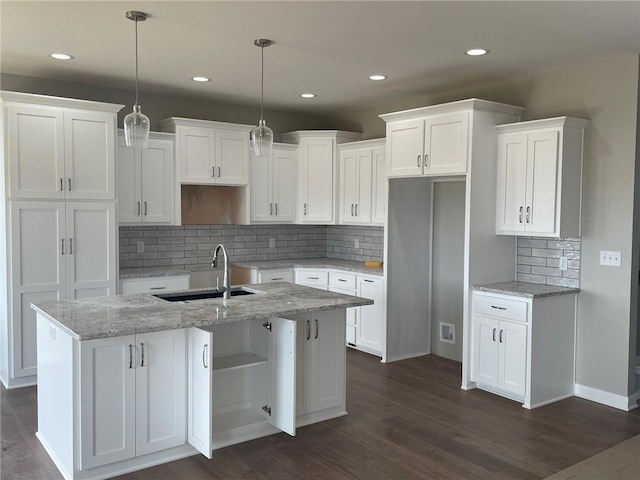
{"points": [[204, 349], [498, 308], [494, 334], [142, 354], [157, 288], [501, 335], [308, 329], [317, 328]]}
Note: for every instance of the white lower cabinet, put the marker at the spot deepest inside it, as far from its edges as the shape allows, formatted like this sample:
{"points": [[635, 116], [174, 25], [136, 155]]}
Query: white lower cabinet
{"points": [[371, 319], [523, 348], [132, 392]]}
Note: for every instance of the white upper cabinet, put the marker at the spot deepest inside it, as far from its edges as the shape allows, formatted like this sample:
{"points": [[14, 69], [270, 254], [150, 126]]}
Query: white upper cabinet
{"points": [[435, 144], [363, 184], [59, 150], [210, 153], [145, 181], [540, 177], [317, 173], [273, 185]]}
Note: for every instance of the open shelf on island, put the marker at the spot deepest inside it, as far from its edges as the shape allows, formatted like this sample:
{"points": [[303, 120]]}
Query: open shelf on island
{"points": [[239, 360]]}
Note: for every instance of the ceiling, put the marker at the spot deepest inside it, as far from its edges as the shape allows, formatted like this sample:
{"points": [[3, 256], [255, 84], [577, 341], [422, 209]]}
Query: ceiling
{"points": [[328, 48]]}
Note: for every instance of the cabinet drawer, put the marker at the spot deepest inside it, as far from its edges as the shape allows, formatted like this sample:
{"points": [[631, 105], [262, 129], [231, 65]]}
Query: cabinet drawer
{"points": [[154, 284], [342, 280], [310, 277], [500, 307], [276, 276]]}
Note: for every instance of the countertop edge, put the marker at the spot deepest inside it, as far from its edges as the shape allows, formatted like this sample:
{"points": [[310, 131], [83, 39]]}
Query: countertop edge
{"points": [[519, 289]]}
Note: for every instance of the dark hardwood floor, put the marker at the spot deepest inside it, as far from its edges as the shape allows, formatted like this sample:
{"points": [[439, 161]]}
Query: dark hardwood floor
{"points": [[407, 420]]}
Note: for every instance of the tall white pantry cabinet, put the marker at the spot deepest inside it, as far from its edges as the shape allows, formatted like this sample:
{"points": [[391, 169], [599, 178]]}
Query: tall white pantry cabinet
{"points": [[59, 227]]}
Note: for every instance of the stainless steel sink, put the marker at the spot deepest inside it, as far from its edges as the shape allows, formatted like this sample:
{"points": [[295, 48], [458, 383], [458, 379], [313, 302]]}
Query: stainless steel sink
{"points": [[202, 295]]}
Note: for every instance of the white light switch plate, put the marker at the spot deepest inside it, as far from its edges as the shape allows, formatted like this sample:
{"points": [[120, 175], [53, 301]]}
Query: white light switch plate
{"points": [[139, 247], [356, 243], [272, 243], [564, 262], [610, 259]]}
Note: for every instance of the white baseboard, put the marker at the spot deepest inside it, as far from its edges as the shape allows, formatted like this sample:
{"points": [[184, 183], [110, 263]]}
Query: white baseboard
{"points": [[606, 398], [404, 357]]}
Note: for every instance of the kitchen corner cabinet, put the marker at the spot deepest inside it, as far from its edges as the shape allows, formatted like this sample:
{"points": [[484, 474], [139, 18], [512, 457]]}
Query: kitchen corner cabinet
{"points": [[363, 183], [426, 142], [145, 181], [317, 173], [523, 348], [273, 185], [210, 153], [540, 177]]}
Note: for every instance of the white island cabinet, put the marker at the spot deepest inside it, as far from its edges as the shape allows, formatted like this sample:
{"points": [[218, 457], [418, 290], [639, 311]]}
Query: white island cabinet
{"points": [[112, 405]]}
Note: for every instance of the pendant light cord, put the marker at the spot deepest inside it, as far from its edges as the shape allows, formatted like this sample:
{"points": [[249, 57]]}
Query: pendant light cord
{"points": [[262, 85], [136, 62]]}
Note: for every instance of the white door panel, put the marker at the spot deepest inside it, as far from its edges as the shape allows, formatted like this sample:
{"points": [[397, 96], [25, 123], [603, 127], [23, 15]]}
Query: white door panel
{"points": [[200, 393], [282, 370]]}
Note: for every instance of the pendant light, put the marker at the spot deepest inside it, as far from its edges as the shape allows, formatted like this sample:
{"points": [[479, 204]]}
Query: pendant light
{"points": [[262, 136], [136, 124]]}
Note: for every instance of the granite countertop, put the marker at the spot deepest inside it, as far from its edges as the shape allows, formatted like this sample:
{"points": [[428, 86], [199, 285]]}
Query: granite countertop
{"points": [[347, 265], [524, 289], [126, 273], [103, 317]]}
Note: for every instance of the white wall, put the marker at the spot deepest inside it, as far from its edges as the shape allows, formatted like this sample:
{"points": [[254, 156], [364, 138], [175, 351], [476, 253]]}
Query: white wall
{"points": [[606, 93]]}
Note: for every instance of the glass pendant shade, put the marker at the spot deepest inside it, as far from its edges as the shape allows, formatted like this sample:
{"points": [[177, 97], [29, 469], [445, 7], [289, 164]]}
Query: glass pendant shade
{"points": [[136, 128], [262, 138]]}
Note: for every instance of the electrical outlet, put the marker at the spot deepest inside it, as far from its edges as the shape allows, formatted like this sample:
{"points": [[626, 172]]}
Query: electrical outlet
{"points": [[564, 261], [140, 247], [610, 259], [272, 243], [356, 243]]}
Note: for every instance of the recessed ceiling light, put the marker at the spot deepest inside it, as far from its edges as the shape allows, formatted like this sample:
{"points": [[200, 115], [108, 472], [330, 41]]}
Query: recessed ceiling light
{"points": [[201, 79], [61, 56], [475, 52], [308, 95], [377, 77]]}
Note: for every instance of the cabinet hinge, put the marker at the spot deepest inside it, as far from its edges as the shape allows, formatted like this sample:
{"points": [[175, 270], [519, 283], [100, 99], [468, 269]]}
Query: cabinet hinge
{"points": [[267, 325], [267, 409]]}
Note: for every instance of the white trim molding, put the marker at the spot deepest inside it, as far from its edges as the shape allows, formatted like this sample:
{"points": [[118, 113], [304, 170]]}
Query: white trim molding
{"points": [[606, 398]]}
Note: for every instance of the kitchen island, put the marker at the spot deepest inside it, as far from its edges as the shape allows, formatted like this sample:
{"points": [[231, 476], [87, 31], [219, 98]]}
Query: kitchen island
{"points": [[128, 382]]}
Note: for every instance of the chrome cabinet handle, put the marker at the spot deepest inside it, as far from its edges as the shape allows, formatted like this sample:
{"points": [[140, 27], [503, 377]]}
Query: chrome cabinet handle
{"points": [[62, 246], [219, 175], [61, 184], [317, 328], [494, 334], [130, 356], [204, 358], [308, 329], [356, 209], [142, 354], [313, 278], [418, 160], [527, 215], [71, 246], [426, 160], [213, 171], [368, 281], [276, 204], [69, 184], [341, 280], [145, 208], [501, 335], [305, 209], [157, 288], [138, 214], [271, 209], [498, 308], [352, 209], [520, 215], [276, 278]]}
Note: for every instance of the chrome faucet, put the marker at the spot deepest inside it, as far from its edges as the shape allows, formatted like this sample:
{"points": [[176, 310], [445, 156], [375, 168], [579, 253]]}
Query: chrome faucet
{"points": [[226, 280]]}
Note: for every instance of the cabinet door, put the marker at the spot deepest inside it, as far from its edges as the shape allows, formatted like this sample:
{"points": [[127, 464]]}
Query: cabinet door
{"points": [[38, 264], [261, 189], [160, 390], [542, 175], [446, 143], [35, 146], [379, 184], [196, 154], [129, 184], [156, 181], [107, 407], [512, 181], [199, 390], [90, 142], [348, 185], [371, 321], [316, 181], [405, 143], [351, 316], [91, 253], [232, 157], [485, 350], [364, 178], [326, 360], [282, 369], [284, 185], [512, 358]]}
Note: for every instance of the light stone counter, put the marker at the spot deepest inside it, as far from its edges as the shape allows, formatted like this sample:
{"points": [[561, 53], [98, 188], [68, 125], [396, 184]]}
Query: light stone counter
{"points": [[524, 289], [103, 317], [346, 265]]}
